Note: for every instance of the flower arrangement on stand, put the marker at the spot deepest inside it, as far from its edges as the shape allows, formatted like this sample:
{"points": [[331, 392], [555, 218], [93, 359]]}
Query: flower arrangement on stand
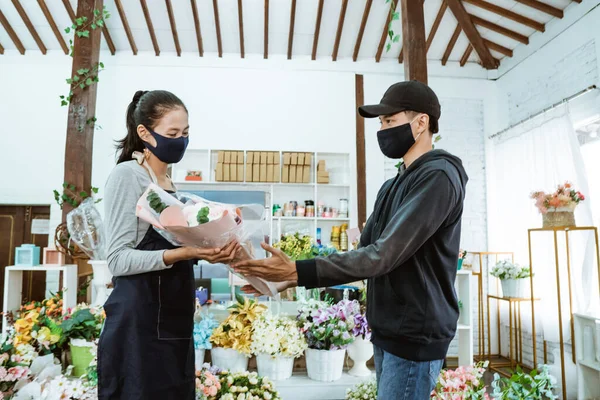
{"points": [[361, 349], [233, 337], [512, 277], [328, 331], [557, 208], [537, 385], [276, 342], [461, 383], [203, 330], [363, 391], [82, 327], [462, 255]]}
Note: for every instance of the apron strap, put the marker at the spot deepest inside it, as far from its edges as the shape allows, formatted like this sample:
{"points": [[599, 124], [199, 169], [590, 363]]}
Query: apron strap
{"points": [[139, 157]]}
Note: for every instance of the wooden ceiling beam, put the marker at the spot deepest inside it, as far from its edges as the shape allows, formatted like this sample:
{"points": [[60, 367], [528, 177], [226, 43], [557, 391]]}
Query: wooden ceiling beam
{"points": [[340, 28], [291, 34], [500, 49], [466, 24], [150, 26], [1, 49], [465, 57], [70, 10], [218, 28], [361, 30], [197, 26], [503, 12], [317, 30], [543, 7], [11, 33], [384, 32], [241, 28], [123, 17], [266, 45], [436, 24], [451, 44], [413, 41], [499, 29], [173, 27], [29, 25], [53, 26], [105, 32]]}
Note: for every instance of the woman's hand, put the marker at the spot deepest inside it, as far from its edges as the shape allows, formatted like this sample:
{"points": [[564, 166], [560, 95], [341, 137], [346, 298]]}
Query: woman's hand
{"points": [[224, 255], [280, 286]]}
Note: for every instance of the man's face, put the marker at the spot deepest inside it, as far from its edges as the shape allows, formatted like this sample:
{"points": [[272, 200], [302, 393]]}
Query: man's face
{"points": [[391, 121]]}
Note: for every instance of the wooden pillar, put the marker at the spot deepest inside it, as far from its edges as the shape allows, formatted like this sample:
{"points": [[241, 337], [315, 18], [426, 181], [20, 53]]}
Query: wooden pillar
{"points": [[413, 41], [82, 108], [361, 161]]}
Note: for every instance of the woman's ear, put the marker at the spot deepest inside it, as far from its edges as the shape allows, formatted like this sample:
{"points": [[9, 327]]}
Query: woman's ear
{"points": [[145, 135]]}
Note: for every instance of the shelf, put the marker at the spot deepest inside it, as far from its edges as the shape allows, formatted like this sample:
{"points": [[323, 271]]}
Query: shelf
{"points": [[333, 219], [311, 219], [315, 390], [41, 267], [278, 184], [463, 272], [590, 364], [463, 327]]}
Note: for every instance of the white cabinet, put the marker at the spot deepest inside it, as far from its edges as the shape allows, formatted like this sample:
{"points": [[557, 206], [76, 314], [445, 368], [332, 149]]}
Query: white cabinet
{"points": [[464, 331], [587, 338]]}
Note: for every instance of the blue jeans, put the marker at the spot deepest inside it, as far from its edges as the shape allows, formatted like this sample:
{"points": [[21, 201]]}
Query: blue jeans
{"points": [[401, 379]]}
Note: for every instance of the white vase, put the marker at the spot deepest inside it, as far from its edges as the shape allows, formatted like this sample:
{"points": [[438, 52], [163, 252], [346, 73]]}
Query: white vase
{"points": [[199, 357], [102, 277], [360, 351], [514, 287], [229, 359], [277, 368], [325, 365]]}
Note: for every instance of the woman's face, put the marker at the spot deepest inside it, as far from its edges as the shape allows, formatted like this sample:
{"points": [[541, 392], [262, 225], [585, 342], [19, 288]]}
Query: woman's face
{"points": [[172, 125]]}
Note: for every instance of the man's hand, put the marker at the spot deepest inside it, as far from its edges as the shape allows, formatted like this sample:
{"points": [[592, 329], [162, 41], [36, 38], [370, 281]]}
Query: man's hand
{"points": [[277, 268], [280, 286]]}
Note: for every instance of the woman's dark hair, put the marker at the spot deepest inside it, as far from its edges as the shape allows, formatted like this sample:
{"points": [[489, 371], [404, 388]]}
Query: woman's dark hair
{"points": [[146, 108]]}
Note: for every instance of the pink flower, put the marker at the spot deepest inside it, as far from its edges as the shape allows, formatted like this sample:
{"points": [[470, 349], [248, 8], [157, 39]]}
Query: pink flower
{"points": [[212, 391], [3, 374]]}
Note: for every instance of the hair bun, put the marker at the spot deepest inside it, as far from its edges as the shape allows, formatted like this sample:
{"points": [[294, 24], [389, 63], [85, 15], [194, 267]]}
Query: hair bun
{"points": [[138, 95]]}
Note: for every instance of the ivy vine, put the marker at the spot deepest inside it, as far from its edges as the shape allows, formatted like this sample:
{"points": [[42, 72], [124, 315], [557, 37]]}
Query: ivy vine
{"points": [[393, 16], [70, 195]]}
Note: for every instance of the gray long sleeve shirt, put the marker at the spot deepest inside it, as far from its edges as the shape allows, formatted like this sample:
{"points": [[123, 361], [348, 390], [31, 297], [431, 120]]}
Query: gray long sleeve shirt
{"points": [[125, 185]]}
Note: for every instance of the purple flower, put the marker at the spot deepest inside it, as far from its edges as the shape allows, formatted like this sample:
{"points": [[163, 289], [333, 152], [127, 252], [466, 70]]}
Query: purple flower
{"points": [[361, 328]]}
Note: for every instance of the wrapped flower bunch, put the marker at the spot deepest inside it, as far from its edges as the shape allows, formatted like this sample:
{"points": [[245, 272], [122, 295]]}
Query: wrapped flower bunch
{"points": [[565, 197], [203, 331], [505, 269], [236, 331], [363, 391], [207, 384], [332, 328], [461, 383], [277, 336], [246, 386]]}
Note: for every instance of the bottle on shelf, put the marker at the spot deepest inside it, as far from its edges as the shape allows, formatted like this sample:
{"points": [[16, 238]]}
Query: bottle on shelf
{"points": [[319, 237], [344, 238], [335, 237]]}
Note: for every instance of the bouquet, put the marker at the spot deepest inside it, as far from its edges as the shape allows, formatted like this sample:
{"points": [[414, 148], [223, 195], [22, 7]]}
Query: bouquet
{"points": [[14, 366], [207, 384], [296, 246], [461, 383], [246, 386], [83, 322], [189, 220], [331, 328], [203, 331], [507, 270], [36, 329], [277, 336], [363, 391], [564, 197], [537, 385], [86, 229], [236, 331]]}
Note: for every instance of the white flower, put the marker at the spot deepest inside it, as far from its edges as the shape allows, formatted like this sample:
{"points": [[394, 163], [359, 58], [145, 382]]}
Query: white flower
{"points": [[253, 381], [241, 396], [267, 396], [233, 389]]}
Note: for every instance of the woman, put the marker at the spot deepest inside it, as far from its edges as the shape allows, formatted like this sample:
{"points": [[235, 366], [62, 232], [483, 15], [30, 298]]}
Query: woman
{"points": [[146, 346]]}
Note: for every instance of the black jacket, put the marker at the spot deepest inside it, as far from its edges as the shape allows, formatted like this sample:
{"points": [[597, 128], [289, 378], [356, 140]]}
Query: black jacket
{"points": [[409, 252]]}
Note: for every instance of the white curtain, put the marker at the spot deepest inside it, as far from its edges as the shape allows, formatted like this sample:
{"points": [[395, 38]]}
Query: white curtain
{"points": [[539, 155]]}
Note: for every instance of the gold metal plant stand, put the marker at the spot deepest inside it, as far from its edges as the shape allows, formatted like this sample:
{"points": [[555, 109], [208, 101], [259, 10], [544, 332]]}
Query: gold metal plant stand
{"points": [[480, 298], [555, 231]]}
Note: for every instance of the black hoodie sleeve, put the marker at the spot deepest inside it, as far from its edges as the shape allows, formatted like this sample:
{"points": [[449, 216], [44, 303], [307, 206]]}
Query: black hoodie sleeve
{"points": [[423, 210]]}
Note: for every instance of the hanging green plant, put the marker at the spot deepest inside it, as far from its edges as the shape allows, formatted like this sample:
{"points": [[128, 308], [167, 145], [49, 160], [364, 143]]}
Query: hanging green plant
{"points": [[72, 196], [393, 16]]}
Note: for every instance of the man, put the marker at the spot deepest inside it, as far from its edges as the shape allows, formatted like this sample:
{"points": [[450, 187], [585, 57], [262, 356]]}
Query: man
{"points": [[408, 248]]}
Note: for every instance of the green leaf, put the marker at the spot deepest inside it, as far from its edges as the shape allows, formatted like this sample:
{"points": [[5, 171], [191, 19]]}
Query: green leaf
{"points": [[72, 187], [69, 81], [388, 47], [88, 81], [100, 23], [76, 78], [79, 21], [395, 16], [67, 30], [396, 39], [85, 34], [63, 103], [82, 85], [94, 26], [94, 190], [101, 64]]}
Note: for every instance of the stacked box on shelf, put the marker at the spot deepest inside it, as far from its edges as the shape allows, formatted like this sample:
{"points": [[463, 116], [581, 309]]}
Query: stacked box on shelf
{"points": [[322, 173], [230, 166], [296, 168], [261, 165]]}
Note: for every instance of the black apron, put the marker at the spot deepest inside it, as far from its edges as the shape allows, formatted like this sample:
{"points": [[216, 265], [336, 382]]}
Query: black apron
{"points": [[146, 349]]}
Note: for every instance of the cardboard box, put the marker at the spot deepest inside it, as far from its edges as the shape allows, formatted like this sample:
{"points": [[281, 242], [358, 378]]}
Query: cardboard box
{"points": [[277, 173], [306, 174], [300, 158], [308, 159], [322, 174], [287, 158], [233, 172], [240, 172], [226, 173], [227, 158], [249, 173], [221, 156], [250, 158], [270, 159], [233, 157], [293, 170], [263, 158], [285, 174], [270, 173], [219, 172], [321, 165], [255, 173], [240, 157], [299, 174], [263, 172], [294, 159], [323, 180]]}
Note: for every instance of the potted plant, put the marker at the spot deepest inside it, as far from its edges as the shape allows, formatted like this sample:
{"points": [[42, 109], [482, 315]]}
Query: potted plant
{"points": [[328, 331], [363, 391], [461, 383], [558, 208], [512, 277], [233, 337], [276, 342], [82, 327], [361, 349], [537, 385], [462, 254], [203, 330]]}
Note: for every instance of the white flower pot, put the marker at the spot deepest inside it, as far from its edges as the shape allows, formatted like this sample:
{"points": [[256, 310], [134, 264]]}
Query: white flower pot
{"points": [[102, 277], [516, 288], [229, 359], [325, 365], [199, 356], [360, 351], [277, 368]]}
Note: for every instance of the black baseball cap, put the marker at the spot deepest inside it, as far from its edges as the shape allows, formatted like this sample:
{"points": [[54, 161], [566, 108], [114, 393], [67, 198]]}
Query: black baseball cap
{"points": [[405, 96]]}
